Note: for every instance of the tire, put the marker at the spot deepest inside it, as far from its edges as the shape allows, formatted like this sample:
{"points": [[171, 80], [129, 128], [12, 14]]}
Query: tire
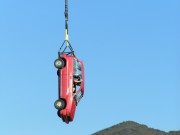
{"points": [[58, 113], [59, 63], [58, 72], [59, 104]]}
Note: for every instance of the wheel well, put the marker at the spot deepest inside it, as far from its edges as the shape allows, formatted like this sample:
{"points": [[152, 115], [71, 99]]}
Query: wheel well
{"points": [[64, 61], [64, 102]]}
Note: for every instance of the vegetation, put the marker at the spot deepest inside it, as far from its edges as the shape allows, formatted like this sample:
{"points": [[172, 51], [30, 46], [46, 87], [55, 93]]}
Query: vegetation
{"points": [[133, 128]]}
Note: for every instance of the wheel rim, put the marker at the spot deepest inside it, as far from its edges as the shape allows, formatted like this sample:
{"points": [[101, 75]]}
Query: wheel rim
{"points": [[59, 104], [59, 63]]}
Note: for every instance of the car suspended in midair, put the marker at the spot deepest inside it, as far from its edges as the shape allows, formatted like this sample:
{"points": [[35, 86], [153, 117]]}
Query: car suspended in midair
{"points": [[70, 71]]}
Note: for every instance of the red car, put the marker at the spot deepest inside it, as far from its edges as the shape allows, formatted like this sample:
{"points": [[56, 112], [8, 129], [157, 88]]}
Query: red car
{"points": [[71, 85]]}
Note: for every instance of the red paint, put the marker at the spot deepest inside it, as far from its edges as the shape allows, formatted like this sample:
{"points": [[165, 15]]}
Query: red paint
{"points": [[66, 87]]}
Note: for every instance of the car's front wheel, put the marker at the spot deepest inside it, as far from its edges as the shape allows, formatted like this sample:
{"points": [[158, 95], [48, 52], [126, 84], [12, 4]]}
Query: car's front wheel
{"points": [[59, 104], [59, 63]]}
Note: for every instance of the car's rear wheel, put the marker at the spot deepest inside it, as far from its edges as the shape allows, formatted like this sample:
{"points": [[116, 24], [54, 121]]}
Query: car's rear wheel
{"points": [[59, 63], [59, 104]]}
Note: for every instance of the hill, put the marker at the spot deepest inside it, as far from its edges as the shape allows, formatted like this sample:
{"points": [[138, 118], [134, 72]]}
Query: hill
{"points": [[133, 128]]}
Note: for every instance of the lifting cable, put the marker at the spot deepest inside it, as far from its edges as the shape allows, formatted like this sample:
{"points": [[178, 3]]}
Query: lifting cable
{"points": [[66, 41], [66, 20]]}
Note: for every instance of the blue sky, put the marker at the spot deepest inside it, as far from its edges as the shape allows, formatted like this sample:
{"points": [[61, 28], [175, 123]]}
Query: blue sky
{"points": [[131, 51]]}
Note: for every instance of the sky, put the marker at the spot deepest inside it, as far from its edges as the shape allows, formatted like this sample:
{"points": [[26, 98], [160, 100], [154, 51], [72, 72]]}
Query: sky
{"points": [[131, 52]]}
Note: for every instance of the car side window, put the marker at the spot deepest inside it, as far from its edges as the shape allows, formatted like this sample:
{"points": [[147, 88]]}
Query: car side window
{"points": [[77, 68], [77, 75], [77, 79]]}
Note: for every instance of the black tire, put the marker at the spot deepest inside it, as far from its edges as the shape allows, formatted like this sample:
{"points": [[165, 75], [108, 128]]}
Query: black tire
{"points": [[58, 72], [58, 113], [59, 63], [59, 104]]}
